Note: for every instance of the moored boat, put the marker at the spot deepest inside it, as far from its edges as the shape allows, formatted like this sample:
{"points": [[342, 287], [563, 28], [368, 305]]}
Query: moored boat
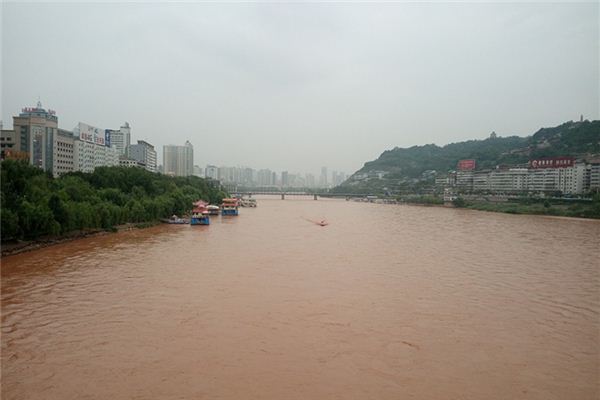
{"points": [[230, 207], [212, 209], [175, 220], [250, 202], [200, 214]]}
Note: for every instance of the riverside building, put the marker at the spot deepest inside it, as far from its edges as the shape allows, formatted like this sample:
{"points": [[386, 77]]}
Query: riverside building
{"points": [[593, 176], [560, 174]]}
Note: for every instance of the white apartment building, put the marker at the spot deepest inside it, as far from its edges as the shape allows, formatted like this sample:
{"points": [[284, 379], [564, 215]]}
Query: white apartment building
{"points": [[508, 180], [464, 179], [481, 180], [575, 178]]}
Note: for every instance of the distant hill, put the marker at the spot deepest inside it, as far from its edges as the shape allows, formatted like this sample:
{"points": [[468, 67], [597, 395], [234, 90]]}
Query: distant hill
{"points": [[413, 167]]}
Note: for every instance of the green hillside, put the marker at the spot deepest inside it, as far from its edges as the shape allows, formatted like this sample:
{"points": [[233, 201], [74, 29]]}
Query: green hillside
{"points": [[413, 168]]}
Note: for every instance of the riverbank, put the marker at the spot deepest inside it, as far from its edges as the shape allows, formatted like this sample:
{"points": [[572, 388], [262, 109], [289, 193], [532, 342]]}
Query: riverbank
{"points": [[524, 206], [23, 246], [588, 211]]}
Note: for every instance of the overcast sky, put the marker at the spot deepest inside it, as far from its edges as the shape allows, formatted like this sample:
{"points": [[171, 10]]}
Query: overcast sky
{"points": [[299, 86]]}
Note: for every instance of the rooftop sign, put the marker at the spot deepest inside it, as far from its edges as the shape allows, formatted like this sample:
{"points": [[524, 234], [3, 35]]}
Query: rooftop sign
{"points": [[555, 162], [91, 134]]}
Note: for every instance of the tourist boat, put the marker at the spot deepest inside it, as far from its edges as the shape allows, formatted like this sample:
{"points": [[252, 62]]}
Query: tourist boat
{"points": [[213, 210], [248, 202], [230, 207], [175, 220], [200, 214]]}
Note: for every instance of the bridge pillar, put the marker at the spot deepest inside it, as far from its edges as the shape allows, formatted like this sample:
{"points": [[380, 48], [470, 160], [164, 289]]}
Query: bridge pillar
{"points": [[315, 197], [282, 196]]}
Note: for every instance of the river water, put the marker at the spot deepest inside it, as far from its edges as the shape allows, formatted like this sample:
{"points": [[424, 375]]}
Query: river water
{"points": [[386, 302]]}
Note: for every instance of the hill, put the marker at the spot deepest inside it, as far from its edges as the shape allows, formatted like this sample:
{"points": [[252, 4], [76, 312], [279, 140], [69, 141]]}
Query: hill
{"points": [[413, 168]]}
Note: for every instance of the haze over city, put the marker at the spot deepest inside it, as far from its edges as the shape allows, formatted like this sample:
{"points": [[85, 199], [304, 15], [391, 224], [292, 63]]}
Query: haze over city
{"points": [[299, 86], [243, 200]]}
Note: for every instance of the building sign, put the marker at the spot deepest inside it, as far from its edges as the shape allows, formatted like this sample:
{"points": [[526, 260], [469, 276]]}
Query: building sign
{"points": [[555, 162], [91, 134], [466, 165], [107, 137], [37, 110]]}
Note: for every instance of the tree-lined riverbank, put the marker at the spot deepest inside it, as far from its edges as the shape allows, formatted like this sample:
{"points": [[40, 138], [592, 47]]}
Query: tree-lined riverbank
{"points": [[574, 208], [36, 205], [553, 207]]}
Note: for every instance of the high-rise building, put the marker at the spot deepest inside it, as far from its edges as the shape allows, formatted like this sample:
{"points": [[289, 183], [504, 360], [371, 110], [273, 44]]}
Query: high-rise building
{"points": [[323, 181], [265, 177], [144, 152], [310, 180], [121, 139], [211, 171], [37, 138], [285, 179], [92, 148], [178, 160], [63, 152], [32, 129]]}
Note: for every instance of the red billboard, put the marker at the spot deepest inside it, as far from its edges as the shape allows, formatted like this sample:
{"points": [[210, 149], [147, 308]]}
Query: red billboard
{"points": [[466, 165], [554, 162]]}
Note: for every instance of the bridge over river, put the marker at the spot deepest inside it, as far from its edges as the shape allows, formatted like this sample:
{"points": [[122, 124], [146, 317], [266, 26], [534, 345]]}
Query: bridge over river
{"points": [[285, 193]]}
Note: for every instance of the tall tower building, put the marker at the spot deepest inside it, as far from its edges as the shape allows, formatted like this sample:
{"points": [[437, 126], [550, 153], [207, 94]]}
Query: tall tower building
{"points": [[121, 139], [285, 179], [38, 139], [323, 181], [32, 127], [178, 160]]}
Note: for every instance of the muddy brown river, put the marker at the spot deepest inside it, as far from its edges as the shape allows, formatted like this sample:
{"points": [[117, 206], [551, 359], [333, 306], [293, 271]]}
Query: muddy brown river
{"points": [[386, 302]]}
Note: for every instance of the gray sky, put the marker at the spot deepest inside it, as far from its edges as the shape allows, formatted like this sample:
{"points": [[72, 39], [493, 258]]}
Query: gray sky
{"points": [[297, 86]]}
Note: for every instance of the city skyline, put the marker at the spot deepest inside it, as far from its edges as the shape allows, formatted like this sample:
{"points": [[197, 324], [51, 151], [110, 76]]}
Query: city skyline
{"points": [[303, 84], [126, 137]]}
